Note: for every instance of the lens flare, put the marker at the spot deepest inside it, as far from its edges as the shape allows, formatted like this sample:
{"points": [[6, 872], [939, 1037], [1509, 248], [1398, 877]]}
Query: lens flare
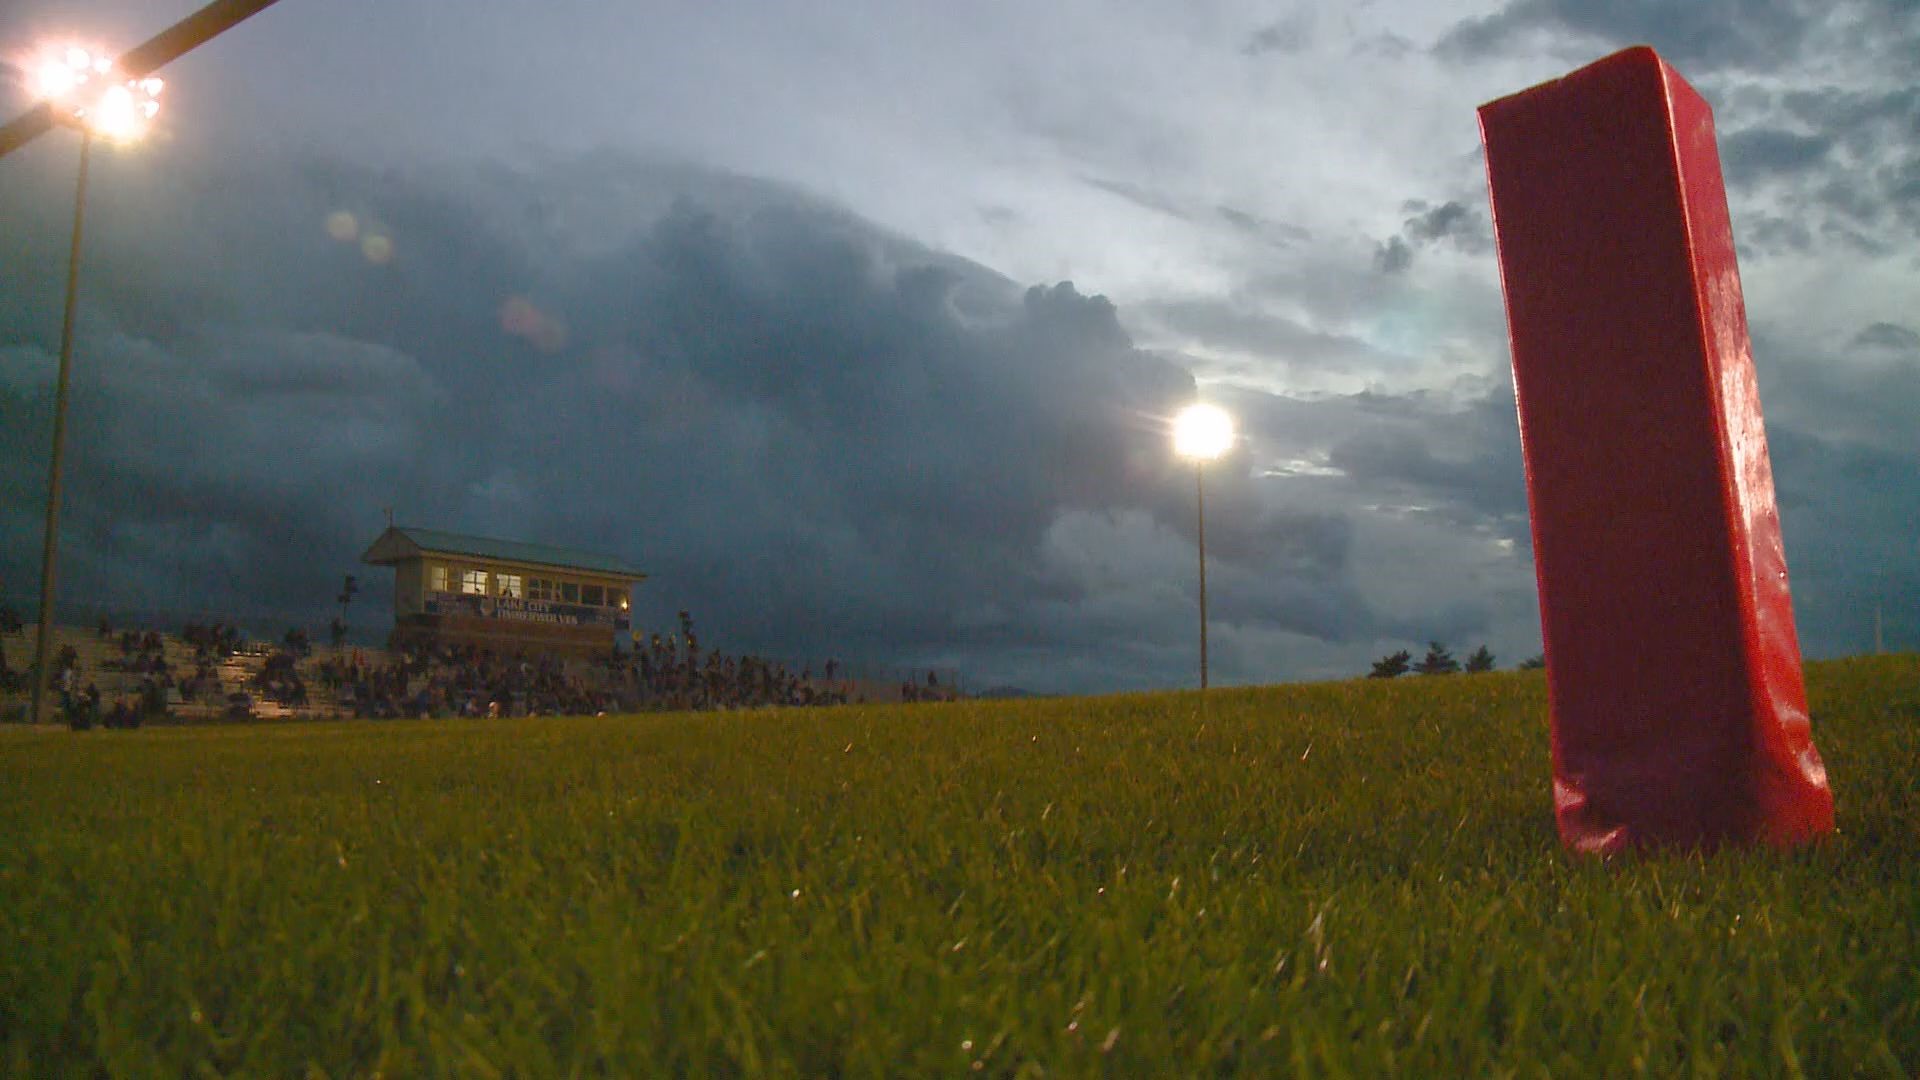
{"points": [[54, 80], [115, 115], [1202, 432], [524, 319], [343, 226]]}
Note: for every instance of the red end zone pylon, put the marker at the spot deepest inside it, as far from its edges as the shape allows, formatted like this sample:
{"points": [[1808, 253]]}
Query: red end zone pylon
{"points": [[1673, 669]]}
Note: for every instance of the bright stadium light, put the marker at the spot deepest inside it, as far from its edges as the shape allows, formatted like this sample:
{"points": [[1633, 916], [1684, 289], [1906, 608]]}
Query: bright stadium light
{"points": [[1201, 433], [84, 90], [54, 79]]}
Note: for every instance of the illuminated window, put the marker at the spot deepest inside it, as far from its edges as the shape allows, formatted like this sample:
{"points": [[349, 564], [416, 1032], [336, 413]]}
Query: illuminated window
{"points": [[506, 586], [539, 589], [473, 582], [570, 592], [594, 595], [437, 578]]}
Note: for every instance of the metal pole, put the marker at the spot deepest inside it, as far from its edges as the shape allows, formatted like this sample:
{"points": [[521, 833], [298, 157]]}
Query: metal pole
{"points": [[49, 549], [1200, 518]]}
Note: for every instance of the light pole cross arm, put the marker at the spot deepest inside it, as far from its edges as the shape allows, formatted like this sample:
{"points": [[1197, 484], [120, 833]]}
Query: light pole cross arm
{"points": [[144, 59]]}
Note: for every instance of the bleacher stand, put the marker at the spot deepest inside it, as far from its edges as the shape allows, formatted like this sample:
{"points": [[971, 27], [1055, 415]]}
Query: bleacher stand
{"points": [[124, 677]]}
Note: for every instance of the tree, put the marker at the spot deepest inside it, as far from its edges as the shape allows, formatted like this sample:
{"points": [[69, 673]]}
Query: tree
{"points": [[1438, 661], [1390, 666], [1481, 661], [348, 590], [1534, 662]]}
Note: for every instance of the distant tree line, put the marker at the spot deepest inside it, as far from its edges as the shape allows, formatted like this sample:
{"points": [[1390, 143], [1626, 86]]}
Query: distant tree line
{"points": [[1439, 660]]}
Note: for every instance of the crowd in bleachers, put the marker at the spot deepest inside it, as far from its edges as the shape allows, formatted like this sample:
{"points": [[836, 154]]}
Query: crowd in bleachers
{"points": [[460, 681], [665, 673], [912, 689], [674, 673], [228, 675], [11, 680]]}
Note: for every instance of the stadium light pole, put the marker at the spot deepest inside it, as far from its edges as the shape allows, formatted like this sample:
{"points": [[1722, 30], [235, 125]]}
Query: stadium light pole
{"points": [[86, 91], [1201, 433]]}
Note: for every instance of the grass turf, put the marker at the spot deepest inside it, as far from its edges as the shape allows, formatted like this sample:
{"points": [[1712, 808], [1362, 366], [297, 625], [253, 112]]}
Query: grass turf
{"points": [[1325, 879]]}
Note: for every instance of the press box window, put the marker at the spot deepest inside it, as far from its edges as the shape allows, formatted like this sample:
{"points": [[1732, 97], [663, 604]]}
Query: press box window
{"points": [[473, 582], [594, 596], [437, 578], [570, 592], [539, 589], [507, 586]]}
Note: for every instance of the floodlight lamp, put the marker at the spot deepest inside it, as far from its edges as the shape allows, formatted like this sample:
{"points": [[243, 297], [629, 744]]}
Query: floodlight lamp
{"points": [[85, 87], [115, 115], [1202, 432], [53, 80], [123, 112]]}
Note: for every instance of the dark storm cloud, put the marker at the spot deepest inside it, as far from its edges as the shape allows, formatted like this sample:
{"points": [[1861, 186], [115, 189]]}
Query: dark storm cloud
{"points": [[1287, 36], [1890, 336], [1454, 454], [1837, 164], [1276, 233], [1454, 222], [1434, 476], [1141, 196], [817, 436], [1718, 33], [1385, 45], [1394, 256], [1276, 341], [1864, 392], [1754, 154], [223, 474], [1809, 166], [1842, 576], [1859, 119]]}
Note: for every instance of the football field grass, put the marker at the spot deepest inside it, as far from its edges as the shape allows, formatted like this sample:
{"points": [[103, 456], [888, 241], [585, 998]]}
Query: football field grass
{"points": [[1350, 878]]}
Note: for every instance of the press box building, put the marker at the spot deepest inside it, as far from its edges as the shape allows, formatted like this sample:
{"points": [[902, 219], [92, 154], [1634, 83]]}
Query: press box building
{"points": [[503, 595]]}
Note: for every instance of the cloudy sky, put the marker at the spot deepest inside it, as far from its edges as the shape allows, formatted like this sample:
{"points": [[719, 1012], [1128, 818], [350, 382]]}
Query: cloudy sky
{"points": [[858, 325]]}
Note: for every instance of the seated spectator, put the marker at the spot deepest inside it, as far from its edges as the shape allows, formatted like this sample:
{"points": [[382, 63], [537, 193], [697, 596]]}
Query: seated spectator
{"points": [[153, 699], [121, 715]]}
